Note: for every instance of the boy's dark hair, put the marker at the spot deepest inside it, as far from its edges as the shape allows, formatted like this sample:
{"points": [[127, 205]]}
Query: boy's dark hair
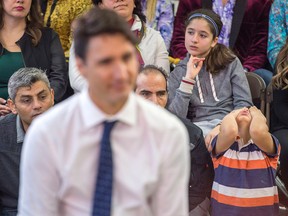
{"points": [[98, 22], [219, 56]]}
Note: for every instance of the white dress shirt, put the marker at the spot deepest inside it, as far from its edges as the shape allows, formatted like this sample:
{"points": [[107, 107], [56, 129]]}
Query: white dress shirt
{"points": [[152, 48], [60, 156]]}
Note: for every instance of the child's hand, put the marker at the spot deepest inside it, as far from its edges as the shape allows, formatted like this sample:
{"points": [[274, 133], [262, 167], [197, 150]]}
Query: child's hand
{"points": [[255, 112], [194, 66]]}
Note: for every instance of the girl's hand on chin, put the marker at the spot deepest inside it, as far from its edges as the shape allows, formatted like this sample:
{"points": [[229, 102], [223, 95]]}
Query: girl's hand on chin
{"points": [[194, 66]]}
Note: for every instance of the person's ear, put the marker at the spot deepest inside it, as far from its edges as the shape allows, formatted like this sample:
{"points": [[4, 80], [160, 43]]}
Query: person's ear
{"points": [[214, 42], [52, 95], [12, 106]]}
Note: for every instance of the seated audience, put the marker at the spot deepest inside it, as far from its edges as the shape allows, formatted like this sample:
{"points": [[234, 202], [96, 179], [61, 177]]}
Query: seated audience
{"points": [[30, 95], [279, 115], [245, 159], [160, 17], [60, 14], [278, 29], [152, 84], [210, 82], [245, 30], [151, 48], [24, 42]]}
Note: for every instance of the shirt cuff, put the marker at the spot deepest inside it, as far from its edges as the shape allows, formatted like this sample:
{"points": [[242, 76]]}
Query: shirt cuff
{"points": [[187, 85]]}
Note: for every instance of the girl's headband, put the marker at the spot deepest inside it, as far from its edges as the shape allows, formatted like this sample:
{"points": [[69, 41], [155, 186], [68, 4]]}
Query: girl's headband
{"points": [[207, 18]]}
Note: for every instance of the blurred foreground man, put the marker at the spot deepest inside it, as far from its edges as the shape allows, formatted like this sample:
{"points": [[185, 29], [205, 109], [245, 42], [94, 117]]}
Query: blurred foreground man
{"points": [[105, 151], [152, 84]]}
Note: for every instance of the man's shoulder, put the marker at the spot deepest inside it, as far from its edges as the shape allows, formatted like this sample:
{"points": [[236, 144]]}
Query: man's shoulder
{"points": [[8, 119], [8, 128]]}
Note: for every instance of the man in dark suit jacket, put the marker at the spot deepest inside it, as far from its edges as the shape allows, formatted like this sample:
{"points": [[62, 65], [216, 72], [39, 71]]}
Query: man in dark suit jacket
{"points": [[152, 85], [249, 30], [30, 95]]}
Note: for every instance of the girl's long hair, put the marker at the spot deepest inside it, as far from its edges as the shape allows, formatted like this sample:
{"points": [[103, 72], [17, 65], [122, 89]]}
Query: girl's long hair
{"points": [[280, 80], [219, 56]]}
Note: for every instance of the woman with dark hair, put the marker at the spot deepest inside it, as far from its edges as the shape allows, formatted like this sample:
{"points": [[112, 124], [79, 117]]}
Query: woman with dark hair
{"points": [[25, 43], [151, 48], [279, 120]]}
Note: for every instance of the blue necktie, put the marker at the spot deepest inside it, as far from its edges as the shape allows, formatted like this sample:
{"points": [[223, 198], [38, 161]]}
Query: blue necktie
{"points": [[103, 191]]}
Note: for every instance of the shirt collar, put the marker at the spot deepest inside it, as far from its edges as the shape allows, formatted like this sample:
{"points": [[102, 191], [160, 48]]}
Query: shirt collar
{"points": [[93, 116], [19, 130], [137, 25], [245, 145]]}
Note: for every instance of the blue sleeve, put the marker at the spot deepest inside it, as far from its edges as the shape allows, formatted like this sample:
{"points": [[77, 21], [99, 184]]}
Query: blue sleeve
{"points": [[277, 148], [277, 29], [213, 144]]}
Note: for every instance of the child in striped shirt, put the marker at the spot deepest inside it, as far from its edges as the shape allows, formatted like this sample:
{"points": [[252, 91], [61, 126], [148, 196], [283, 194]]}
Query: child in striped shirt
{"points": [[245, 157]]}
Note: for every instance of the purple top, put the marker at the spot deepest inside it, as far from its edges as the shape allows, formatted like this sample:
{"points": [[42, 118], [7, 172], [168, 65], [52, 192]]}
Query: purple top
{"points": [[163, 20], [226, 14]]}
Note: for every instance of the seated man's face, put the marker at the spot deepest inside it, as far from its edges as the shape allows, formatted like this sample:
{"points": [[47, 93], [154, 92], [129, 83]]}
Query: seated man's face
{"points": [[152, 86], [32, 101]]}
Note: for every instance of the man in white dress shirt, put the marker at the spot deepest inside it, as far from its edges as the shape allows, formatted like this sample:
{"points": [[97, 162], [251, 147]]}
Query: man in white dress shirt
{"points": [[150, 151]]}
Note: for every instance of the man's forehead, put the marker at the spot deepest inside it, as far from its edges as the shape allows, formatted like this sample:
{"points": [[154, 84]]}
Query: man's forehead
{"points": [[152, 78], [34, 89], [105, 40]]}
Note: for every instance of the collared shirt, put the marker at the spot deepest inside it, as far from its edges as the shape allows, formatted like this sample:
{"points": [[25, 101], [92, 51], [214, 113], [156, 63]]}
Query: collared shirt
{"points": [[61, 153], [245, 180], [226, 14], [20, 131]]}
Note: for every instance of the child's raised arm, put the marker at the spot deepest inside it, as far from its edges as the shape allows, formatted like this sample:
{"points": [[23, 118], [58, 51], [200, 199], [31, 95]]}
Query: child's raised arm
{"points": [[259, 131], [228, 132]]}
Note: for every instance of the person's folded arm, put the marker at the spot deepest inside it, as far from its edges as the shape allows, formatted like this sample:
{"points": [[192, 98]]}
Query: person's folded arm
{"points": [[77, 81], [228, 132], [58, 75], [259, 132], [162, 54]]}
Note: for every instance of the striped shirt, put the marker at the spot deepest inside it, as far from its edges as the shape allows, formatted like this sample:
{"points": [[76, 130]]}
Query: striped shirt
{"points": [[244, 181]]}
